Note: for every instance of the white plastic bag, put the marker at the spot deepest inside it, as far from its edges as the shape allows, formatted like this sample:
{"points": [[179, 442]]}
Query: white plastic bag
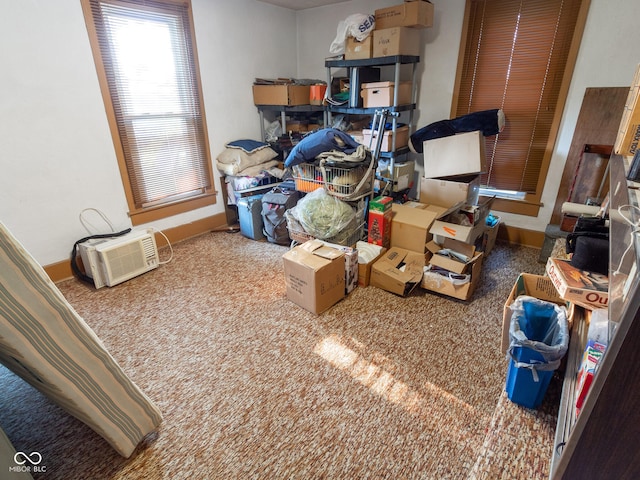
{"points": [[357, 25]]}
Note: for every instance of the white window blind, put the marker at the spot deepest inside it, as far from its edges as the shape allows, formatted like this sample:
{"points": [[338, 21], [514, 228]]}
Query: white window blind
{"points": [[149, 63]]}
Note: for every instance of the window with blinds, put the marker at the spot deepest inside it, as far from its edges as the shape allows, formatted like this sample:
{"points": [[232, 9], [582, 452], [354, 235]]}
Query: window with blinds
{"points": [[145, 54], [518, 56]]}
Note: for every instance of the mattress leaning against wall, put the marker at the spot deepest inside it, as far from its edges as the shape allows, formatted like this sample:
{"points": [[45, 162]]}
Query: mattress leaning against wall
{"points": [[44, 341]]}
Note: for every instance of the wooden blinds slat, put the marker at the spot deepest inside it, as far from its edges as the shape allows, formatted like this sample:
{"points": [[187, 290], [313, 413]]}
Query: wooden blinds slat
{"points": [[514, 59]]}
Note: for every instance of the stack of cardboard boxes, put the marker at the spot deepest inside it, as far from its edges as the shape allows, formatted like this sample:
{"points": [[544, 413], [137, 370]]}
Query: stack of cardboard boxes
{"points": [[397, 31], [437, 243]]}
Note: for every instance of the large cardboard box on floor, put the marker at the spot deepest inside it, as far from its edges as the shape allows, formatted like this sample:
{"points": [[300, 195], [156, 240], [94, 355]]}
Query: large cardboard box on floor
{"points": [[396, 41], [457, 224], [281, 94], [439, 284], [417, 14], [450, 191], [314, 275], [460, 154], [411, 223], [536, 286], [447, 262], [587, 289], [398, 271]]}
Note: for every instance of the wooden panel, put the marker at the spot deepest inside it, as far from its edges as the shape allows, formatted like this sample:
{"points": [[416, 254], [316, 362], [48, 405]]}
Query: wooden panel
{"points": [[597, 124]]}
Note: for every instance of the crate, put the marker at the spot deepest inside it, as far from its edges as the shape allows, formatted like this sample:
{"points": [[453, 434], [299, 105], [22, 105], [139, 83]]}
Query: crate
{"points": [[340, 182]]}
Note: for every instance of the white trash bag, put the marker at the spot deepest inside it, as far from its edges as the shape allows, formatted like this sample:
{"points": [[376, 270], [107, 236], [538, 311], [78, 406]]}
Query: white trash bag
{"points": [[357, 25]]}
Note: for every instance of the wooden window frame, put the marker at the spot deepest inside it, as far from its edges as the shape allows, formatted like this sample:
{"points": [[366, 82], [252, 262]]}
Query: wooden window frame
{"points": [[138, 214], [531, 203]]}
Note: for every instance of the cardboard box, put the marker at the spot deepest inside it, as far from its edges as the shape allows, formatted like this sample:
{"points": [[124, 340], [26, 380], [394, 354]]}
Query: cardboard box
{"points": [[380, 94], [450, 225], [281, 94], [536, 286], [461, 292], [489, 237], [396, 41], [402, 138], [408, 14], [449, 263], [402, 178], [368, 254], [398, 271], [355, 50], [450, 191], [411, 223], [314, 275], [460, 154], [586, 289], [350, 266], [379, 231]]}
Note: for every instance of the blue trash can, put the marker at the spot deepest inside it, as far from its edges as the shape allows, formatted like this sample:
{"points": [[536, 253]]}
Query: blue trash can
{"points": [[539, 338]]}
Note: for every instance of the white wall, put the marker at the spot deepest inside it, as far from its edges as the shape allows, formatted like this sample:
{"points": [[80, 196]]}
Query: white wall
{"points": [[608, 57], [57, 155]]}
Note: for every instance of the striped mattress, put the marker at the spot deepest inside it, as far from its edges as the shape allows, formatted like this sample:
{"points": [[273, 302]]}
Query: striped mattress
{"points": [[46, 342]]}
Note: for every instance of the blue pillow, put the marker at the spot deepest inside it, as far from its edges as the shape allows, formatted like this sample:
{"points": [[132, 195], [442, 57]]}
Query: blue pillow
{"points": [[248, 146], [319, 142]]}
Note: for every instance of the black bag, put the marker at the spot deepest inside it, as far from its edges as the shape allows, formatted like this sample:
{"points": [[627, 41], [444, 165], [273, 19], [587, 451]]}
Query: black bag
{"points": [[274, 204], [589, 245]]}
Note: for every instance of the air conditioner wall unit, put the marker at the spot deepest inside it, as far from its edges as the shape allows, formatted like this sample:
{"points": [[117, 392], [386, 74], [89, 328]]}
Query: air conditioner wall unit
{"points": [[115, 260]]}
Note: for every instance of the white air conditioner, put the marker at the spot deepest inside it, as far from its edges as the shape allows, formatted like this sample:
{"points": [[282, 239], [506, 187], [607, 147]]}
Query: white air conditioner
{"points": [[115, 260]]}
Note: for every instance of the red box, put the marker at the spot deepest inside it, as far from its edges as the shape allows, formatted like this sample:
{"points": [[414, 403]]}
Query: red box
{"points": [[380, 228]]}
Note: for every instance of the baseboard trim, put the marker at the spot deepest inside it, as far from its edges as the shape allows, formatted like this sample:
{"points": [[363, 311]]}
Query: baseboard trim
{"points": [[62, 270], [520, 236]]}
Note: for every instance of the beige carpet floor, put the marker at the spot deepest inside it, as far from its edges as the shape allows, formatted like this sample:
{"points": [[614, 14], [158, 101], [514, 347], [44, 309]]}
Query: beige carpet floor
{"points": [[253, 387]]}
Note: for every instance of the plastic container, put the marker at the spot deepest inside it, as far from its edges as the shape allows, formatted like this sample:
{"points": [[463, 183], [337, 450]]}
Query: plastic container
{"points": [[539, 338], [250, 217]]}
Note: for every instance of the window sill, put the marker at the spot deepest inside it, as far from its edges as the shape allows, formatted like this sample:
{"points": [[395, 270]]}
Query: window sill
{"points": [[150, 214], [518, 207]]}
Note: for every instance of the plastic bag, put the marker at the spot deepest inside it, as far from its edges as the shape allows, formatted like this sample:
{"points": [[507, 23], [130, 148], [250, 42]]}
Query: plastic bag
{"points": [[541, 327], [357, 25], [322, 215]]}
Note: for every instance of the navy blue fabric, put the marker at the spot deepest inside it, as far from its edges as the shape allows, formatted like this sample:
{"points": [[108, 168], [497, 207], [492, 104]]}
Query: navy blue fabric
{"points": [[486, 121], [249, 146], [319, 142]]}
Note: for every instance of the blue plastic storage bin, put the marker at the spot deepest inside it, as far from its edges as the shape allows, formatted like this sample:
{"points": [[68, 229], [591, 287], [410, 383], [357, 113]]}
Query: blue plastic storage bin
{"points": [[250, 217]]}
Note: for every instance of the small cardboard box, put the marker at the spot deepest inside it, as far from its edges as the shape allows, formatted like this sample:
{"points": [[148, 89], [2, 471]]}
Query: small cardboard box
{"points": [[355, 50], [368, 254], [379, 222], [408, 14], [450, 191], [403, 174], [380, 94], [411, 223], [449, 263], [460, 154], [449, 226], [586, 289], [350, 266], [461, 292], [281, 94], [314, 275], [536, 286], [398, 271], [396, 41], [402, 138]]}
